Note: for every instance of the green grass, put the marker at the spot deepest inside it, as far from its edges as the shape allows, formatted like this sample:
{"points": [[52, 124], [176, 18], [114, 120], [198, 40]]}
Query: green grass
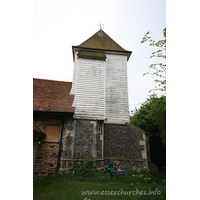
{"points": [[71, 187]]}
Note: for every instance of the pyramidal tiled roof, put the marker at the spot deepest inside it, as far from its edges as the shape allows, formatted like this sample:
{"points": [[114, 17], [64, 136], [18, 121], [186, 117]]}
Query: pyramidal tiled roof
{"points": [[100, 40]]}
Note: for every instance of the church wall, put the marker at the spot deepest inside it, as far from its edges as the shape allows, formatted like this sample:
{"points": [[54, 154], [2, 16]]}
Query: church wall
{"points": [[81, 137], [68, 137], [68, 147], [47, 154], [88, 138], [47, 158], [117, 142], [116, 89], [35, 149], [125, 144]]}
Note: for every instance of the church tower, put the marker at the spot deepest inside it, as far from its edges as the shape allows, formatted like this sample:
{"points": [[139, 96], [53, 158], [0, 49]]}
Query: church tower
{"points": [[97, 123], [100, 80]]}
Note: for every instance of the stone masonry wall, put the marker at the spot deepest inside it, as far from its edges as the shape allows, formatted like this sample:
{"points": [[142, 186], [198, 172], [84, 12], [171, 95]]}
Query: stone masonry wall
{"points": [[81, 136], [68, 139], [88, 138], [121, 141], [125, 143], [84, 137], [47, 155], [99, 138], [47, 159]]}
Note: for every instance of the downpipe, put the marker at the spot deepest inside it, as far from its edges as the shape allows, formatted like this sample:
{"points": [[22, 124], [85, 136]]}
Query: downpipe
{"points": [[59, 152]]}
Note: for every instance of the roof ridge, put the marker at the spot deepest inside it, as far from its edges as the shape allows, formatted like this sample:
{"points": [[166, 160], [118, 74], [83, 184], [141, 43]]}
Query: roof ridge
{"points": [[51, 80]]}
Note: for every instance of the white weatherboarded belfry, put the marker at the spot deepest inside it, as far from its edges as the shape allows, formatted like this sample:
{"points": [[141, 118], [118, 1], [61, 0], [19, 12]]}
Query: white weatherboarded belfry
{"points": [[100, 80]]}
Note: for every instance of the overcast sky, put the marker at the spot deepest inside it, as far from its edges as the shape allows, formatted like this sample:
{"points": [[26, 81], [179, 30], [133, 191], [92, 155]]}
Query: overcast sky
{"points": [[59, 24]]}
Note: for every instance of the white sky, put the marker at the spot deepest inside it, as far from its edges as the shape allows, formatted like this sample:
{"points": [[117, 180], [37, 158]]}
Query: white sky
{"points": [[59, 24]]}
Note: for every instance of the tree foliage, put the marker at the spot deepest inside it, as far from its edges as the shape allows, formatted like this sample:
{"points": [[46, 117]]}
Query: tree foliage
{"points": [[151, 116], [159, 68]]}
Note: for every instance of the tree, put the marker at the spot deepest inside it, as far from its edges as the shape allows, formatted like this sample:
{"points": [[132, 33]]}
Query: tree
{"points": [[151, 117], [160, 68]]}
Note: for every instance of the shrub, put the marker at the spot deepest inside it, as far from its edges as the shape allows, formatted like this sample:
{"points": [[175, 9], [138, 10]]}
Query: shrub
{"points": [[85, 166], [154, 170], [145, 171]]}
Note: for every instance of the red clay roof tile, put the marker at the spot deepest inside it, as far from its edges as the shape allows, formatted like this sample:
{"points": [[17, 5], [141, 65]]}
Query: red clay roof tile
{"points": [[52, 96]]}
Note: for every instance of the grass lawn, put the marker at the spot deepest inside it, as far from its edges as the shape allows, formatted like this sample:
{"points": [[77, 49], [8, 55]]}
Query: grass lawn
{"points": [[132, 186]]}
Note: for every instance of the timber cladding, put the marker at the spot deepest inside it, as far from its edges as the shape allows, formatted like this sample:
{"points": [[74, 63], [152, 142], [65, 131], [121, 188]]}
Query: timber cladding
{"points": [[47, 158]]}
